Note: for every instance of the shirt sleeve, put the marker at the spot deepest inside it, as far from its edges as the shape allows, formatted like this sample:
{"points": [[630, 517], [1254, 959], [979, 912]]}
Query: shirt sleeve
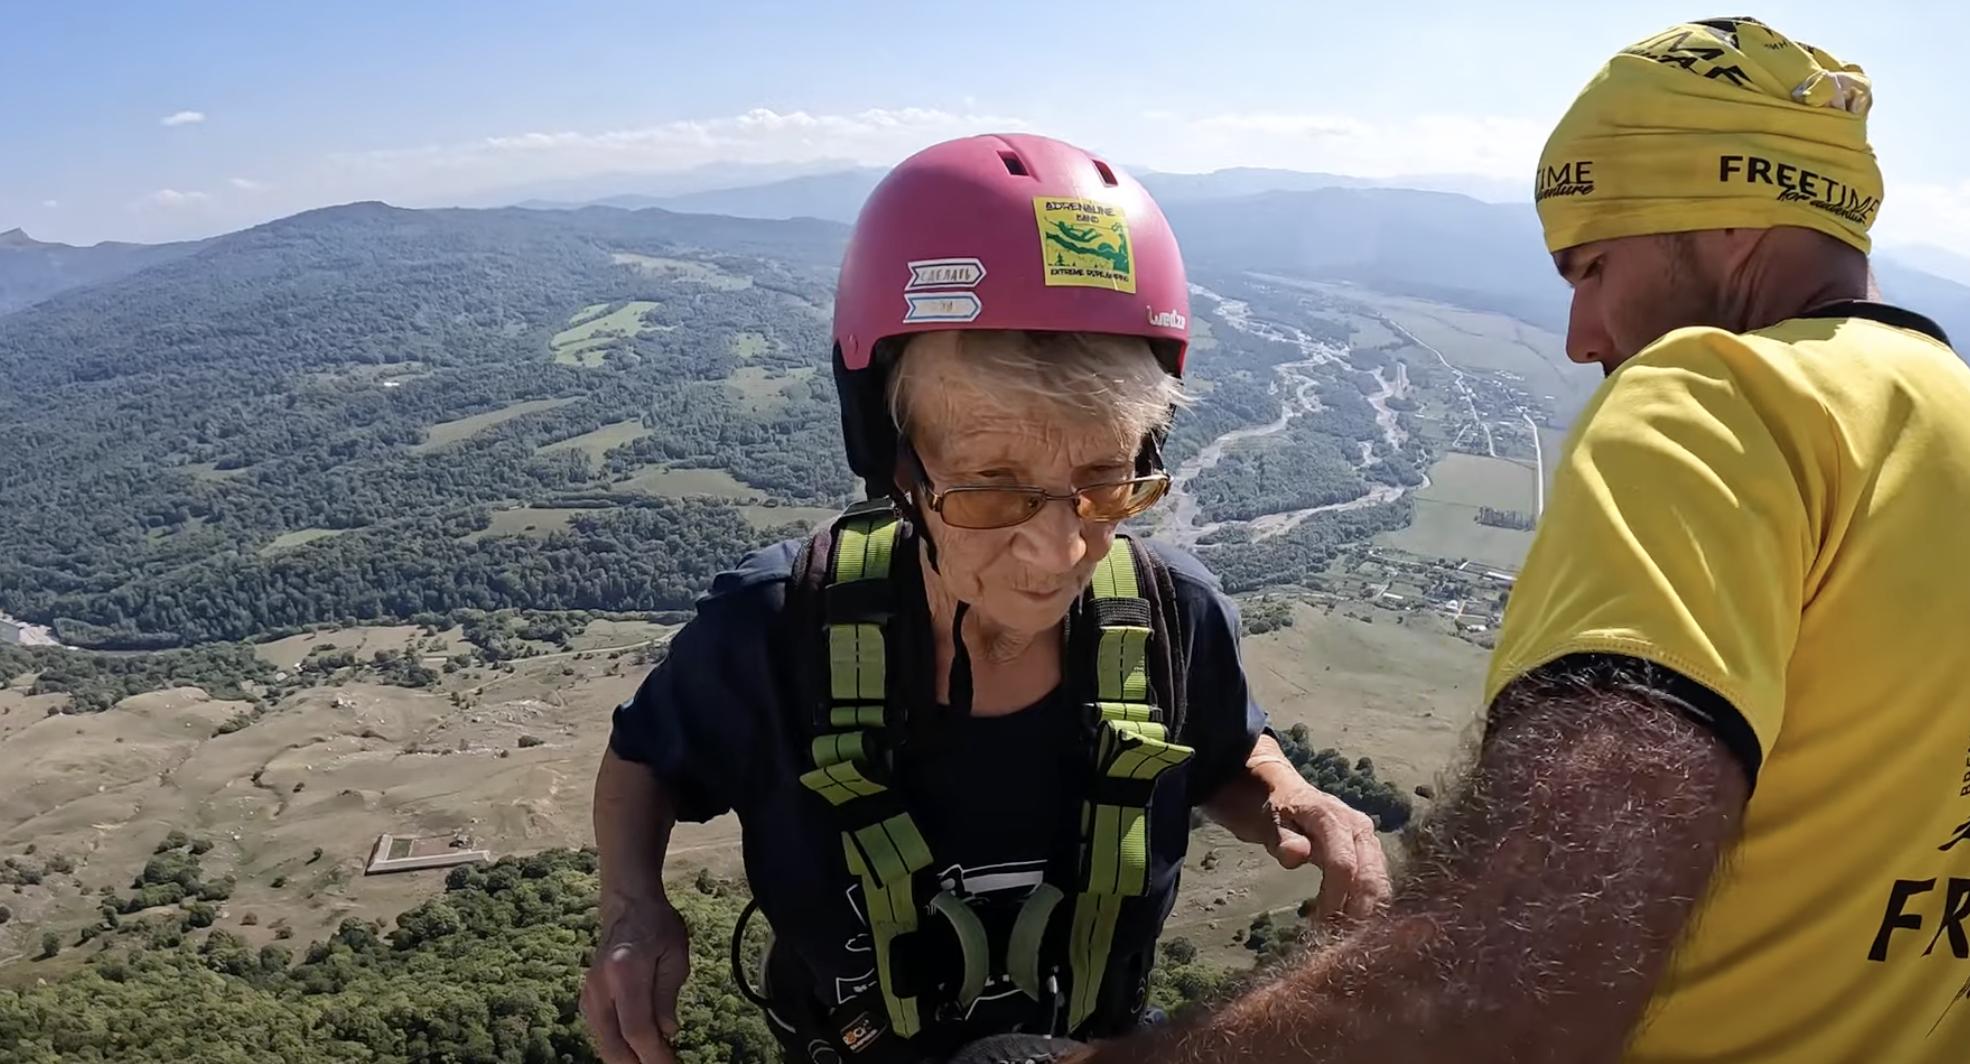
{"points": [[1678, 532], [704, 719], [1224, 722]]}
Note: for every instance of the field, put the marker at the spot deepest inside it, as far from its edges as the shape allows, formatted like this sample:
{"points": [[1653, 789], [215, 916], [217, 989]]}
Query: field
{"points": [[362, 641], [677, 483], [598, 443], [774, 516], [331, 768], [590, 334], [1485, 341], [527, 521], [1446, 511], [763, 390], [298, 537], [336, 766], [1405, 695], [683, 270], [446, 433], [750, 345]]}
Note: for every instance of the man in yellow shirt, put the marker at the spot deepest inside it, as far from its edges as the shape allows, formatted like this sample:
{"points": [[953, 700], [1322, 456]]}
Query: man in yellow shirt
{"points": [[1722, 807]]}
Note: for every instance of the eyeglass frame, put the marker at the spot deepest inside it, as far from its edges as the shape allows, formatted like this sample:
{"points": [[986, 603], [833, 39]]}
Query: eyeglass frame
{"points": [[1150, 459]]}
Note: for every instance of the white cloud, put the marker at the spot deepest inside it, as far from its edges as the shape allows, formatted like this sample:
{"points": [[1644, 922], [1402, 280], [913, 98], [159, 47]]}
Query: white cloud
{"points": [[761, 135], [51, 204], [171, 197], [182, 118], [247, 184]]}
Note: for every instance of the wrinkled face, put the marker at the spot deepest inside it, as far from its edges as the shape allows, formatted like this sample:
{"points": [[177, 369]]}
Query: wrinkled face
{"points": [[1022, 578], [1629, 291]]}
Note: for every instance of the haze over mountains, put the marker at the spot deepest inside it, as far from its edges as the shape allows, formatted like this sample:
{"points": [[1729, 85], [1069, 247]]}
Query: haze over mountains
{"points": [[31, 270], [1436, 244]]}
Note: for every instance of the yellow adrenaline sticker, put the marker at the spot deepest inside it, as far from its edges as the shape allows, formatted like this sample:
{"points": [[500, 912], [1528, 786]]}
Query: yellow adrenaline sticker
{"points": [[1085, 243]]}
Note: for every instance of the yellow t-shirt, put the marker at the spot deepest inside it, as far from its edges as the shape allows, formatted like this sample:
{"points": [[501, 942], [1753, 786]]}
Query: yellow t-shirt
{"points": [[1784, 517]]}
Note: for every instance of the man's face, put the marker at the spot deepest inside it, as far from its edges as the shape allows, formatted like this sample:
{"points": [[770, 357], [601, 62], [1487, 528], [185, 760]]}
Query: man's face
{"points": [[1629, 291]]}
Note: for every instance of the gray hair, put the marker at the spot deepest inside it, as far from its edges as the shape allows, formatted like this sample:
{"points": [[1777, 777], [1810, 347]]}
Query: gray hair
{"points": [[1115, 379]]}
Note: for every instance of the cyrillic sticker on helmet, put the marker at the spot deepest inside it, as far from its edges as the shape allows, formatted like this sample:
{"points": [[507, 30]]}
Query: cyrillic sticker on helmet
{"points": [[942, 306], [1085, 243]]}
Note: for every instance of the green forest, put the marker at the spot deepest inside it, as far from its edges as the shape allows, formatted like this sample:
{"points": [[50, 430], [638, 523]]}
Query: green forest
{"points": [[490, 970], [285, 379], [314, 422]]}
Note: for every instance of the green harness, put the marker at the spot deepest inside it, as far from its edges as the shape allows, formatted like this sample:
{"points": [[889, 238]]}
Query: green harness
{"points": [[1131, 748]]}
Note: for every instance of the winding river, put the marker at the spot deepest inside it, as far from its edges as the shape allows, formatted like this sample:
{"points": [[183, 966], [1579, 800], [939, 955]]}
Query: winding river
{"points": [[1185, 523]]}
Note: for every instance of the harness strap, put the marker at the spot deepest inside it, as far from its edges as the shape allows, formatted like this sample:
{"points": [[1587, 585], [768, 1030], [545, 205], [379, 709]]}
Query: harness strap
{"points": [[1131, 750], [880, 840]]}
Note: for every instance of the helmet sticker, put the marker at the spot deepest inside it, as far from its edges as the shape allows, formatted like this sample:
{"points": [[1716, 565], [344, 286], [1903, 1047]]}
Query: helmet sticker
{"points": [[949, 303], [1085, 243], [943, 306], [945, 273]]}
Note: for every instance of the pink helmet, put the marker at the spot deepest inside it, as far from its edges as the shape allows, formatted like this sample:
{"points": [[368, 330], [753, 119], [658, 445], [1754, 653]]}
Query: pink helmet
{"points": [[1003, 231]]}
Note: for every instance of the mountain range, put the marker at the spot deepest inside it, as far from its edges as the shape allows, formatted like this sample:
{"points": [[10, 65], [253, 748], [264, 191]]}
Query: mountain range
{"points": [[1434, 244], [32, 270]]}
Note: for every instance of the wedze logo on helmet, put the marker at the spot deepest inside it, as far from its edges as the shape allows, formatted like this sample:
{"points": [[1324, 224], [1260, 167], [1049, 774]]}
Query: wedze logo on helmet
{"points": [[1000, 231]]}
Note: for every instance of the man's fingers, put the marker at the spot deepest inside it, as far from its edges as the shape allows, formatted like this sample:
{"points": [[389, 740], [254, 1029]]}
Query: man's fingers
{"points": [[632, 986], [1337, 870], [600, 1013], [673, 968], [1371, 880]]}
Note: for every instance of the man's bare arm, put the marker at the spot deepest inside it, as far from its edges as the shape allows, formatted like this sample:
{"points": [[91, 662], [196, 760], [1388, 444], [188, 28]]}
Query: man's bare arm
{"points": [[1546, 897]]}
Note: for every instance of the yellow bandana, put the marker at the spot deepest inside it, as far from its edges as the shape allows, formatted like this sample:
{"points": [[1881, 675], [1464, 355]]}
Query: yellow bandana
{"points": [[1712, 125]]}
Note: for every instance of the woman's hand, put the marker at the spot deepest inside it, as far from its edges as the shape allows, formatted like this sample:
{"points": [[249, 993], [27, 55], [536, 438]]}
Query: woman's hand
{"points": [[1311, 826], [630, 995]]}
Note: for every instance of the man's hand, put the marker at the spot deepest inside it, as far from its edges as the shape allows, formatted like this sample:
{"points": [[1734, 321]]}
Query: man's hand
{"points": [[1311, 826], [630, 995]]}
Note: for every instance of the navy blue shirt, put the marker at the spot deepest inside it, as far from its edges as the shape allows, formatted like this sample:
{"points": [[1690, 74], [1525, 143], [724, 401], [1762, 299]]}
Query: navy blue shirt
{"points": [[720, 724]]}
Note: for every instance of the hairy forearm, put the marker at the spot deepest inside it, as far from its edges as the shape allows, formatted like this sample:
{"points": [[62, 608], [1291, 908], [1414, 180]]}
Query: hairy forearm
{"points": [[1240, 805], [633, 820], [1542, 906]]}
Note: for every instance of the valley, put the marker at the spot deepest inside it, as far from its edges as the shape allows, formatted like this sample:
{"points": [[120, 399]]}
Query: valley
{"points": [[449, 548]]}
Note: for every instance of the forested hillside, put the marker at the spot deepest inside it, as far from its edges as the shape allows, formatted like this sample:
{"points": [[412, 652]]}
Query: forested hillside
{"points": [[491, 970], [310, 421]]}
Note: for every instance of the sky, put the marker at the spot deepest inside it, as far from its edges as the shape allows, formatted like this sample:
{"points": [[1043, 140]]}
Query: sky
{"points": [[169, 119]]}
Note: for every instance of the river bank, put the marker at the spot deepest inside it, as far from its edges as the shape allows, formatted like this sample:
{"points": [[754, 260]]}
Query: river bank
{"points": [[1298, 390]]}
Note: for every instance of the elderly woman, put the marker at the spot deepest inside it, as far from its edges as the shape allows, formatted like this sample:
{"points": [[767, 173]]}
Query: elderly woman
{"points": [[964, 728]]}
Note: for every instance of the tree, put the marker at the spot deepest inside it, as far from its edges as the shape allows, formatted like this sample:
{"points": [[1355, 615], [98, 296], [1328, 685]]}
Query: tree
{"points": [[176, 839], [51, 944]]}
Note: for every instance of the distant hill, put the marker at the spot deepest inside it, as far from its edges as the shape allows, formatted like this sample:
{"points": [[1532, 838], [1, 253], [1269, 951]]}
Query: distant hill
{"points": [[1432, 244], [32, 270], [313, 419], [1447, 247], [1928, 258], [596, 188], [838, 195]]}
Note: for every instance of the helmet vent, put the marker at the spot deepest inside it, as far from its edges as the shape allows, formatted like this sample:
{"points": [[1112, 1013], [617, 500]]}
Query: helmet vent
{"points": [[1107, 175], [1014, 164]]}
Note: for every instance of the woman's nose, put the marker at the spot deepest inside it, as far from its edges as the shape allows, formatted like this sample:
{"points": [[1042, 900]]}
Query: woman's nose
{"points": [[1052, 539]]}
